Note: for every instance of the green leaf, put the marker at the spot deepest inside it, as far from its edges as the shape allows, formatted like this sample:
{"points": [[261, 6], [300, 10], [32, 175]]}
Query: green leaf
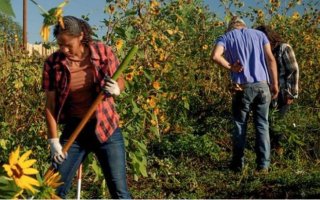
{"points": [[130, 12], [8, 188], [143, 169], [3, 144], [148, 75], [135, 107], [186, 105], [96, 168], [135, 177], [121, 32], [130, 128], [128, 33], [155, 130], [141, 145], [6, 8]]}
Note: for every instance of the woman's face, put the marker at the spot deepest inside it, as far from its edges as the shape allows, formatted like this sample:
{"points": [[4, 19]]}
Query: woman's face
{"points": [[69, 45]]}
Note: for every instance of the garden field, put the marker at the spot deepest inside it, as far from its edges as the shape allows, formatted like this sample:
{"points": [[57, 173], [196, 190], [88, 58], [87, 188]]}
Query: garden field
{"points": [[176, 109]]}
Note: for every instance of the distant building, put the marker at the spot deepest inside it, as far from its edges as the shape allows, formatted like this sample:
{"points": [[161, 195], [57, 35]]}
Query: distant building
{"points": [[39, 49]]}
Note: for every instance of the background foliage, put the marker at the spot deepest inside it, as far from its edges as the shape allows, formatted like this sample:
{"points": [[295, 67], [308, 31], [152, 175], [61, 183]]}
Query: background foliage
{"points": [[176, 109]]}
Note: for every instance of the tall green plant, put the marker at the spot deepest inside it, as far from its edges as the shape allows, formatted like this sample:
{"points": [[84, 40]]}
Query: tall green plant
{"points": [[175, 41], [10, 36]]}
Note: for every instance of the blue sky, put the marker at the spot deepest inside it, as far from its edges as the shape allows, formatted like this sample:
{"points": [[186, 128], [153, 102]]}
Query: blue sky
{"points": [[93, 8]]}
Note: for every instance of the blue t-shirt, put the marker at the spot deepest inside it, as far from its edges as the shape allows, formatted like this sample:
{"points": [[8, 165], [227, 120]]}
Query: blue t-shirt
{"points": [[246, 45]]}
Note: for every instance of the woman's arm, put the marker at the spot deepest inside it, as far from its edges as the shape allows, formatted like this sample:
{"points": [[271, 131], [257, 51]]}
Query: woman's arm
{"points": [[121, 83], [49, 114], [292, 72]]}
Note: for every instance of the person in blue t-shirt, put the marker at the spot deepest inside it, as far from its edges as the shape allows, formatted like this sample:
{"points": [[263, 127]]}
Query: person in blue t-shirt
{"points": [[248, 56]]}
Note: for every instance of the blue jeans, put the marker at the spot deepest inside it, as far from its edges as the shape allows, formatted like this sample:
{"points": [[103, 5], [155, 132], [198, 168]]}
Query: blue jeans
{"points": [[111, 155], [255, 97]]}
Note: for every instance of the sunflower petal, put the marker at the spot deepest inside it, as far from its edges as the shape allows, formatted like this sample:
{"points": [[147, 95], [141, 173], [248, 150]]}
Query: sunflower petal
{"points": [[53, 180], [30, 181], [30, 171], [20, 183], [62, 4], [55, 185], [28, 163], [13, 158], [48, 174], [8, 169], [29, 187], [25, 156]]}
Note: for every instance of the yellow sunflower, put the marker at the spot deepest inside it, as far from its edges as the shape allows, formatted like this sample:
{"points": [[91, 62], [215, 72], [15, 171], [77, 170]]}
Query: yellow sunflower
{"points": [[19, 169], [119, 44], [51, 182], [51, 17], [52, 179], [156, 85], [152, 101], [129, 76]]}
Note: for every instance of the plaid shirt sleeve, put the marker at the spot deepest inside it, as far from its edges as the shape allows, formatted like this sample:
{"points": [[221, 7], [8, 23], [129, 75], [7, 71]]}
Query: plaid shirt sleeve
{"points": [[47, 82], [107, 117], [111, 62], [292, 71]]}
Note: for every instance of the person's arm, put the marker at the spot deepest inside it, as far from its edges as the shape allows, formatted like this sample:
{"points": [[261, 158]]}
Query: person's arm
{"points": [[121, 83], [292, 74], [217, 57], [53, 139], [272, 68], [49, 114]]}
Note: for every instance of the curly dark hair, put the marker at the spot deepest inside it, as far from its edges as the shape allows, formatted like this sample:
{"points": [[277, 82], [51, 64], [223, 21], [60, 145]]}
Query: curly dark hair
{"points": [[74, 26], [274, 37]]}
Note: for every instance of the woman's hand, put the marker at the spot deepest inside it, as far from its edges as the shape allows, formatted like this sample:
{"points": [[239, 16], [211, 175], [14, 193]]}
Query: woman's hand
{"points": [[56, 151], [111, 87]]}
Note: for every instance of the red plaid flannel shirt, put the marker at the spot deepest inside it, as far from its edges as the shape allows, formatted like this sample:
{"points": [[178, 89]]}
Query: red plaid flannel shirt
{"points": [[56, 77]]}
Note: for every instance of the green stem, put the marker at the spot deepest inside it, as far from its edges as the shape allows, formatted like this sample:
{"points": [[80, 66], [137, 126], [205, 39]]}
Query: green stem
{"points": [[42, 9], [125, 62]]}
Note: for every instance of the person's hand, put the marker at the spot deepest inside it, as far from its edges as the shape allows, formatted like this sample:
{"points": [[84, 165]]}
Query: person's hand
{"points": [[274, 91], [289, 100], [236, 67], [56, 151], [111, 87]]}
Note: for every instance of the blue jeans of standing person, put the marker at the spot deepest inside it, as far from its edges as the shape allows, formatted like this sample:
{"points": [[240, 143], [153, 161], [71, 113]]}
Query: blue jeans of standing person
{"points": [[111, 156], [255, 97]]}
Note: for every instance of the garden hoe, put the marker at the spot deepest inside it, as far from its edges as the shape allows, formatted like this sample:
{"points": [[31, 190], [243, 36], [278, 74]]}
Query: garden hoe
{"points": [[74, 135]]}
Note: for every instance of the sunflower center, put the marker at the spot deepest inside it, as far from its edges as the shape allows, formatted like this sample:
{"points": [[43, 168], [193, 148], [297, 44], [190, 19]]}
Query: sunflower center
{"points": [[17, 170]]}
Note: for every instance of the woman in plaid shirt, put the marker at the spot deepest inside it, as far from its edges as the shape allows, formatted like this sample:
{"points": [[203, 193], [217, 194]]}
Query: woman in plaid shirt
{"points": [[72, 78], [288, 74]]}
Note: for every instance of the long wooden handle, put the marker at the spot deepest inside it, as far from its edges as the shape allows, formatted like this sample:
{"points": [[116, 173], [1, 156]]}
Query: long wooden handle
{"points": [[93, 107]]}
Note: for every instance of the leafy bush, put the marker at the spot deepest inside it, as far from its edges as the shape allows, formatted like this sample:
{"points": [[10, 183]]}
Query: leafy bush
{"points": [[175, 112]]}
